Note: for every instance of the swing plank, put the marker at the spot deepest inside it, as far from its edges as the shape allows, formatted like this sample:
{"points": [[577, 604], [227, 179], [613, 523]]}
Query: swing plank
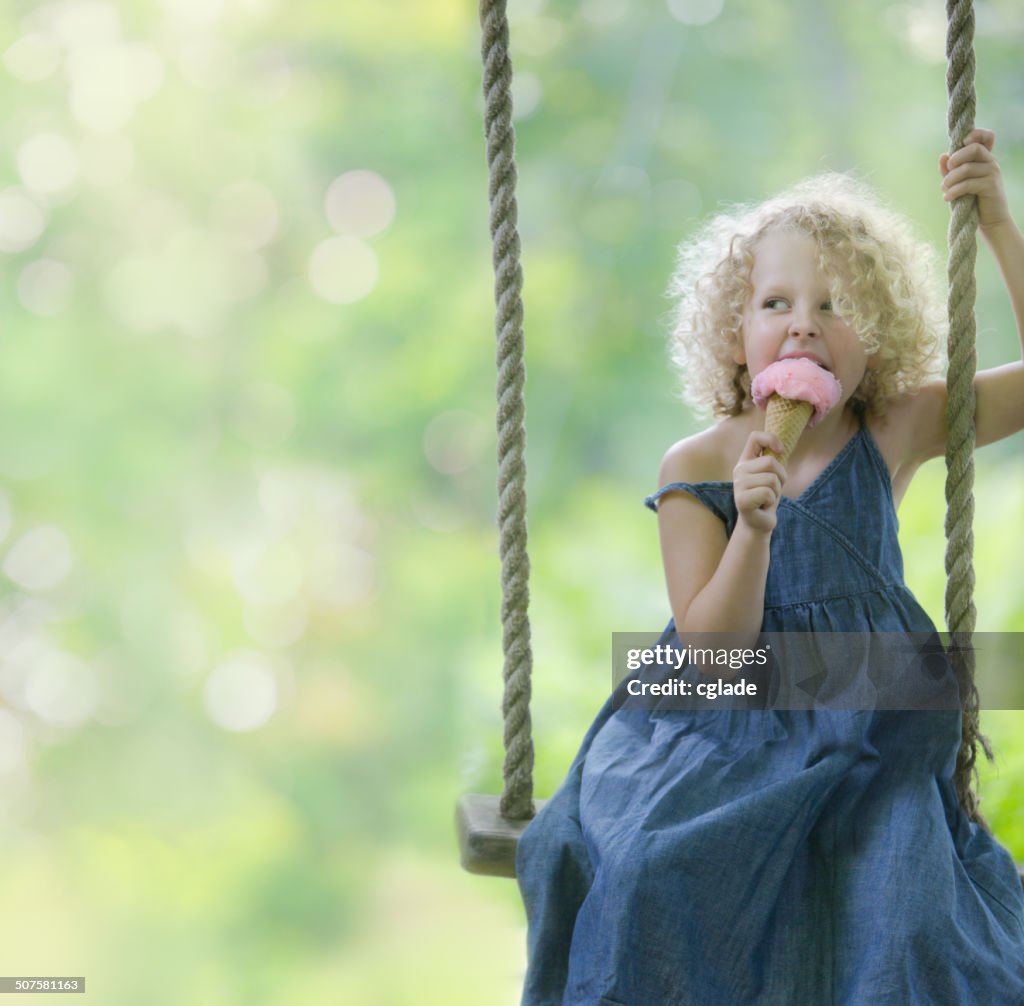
{"points": [[487, 841]]}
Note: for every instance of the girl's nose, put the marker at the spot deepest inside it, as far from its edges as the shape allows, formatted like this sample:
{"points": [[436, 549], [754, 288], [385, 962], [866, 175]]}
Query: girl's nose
{"points": [[803, 324]]}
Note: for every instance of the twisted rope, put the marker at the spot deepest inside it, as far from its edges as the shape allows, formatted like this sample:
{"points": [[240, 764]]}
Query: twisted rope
{"points": [[517, 798], [960, 406]]}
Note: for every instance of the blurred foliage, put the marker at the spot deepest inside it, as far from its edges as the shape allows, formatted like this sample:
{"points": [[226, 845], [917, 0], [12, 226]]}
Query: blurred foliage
{"points": [[249, 598]]}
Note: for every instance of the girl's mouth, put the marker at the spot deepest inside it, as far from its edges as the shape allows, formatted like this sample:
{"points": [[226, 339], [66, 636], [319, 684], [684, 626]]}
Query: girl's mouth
{"points": [[806, 356]]}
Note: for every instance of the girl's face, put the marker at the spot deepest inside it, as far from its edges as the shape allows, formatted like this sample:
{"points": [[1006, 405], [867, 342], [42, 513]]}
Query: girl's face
{"points": [[789, 313]]}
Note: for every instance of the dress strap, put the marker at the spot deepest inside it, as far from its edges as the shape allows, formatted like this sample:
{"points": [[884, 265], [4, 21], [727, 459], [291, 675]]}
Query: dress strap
{"points": [[716, 496]]}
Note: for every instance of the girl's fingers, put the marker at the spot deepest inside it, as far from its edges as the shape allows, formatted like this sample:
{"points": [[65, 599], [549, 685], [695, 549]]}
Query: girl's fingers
{"points": [[977, 147], [969, 183], [969, 186], [763, 480], [756, 499], [983, 136], [752, 449], [757, 442], [975, 169], [758, 477], [969, 153], [766, 466]]}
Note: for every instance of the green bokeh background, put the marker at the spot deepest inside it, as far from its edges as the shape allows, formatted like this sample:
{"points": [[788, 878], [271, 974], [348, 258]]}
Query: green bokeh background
{"points": [[234, 477]]}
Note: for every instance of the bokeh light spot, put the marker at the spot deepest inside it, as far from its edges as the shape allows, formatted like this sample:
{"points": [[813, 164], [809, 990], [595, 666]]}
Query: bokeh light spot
{"points": [[109, 82], [39, 559], [360, 203], [21, 221], [184, 285], [85, 24], [61, 689], [315, 497], [241, 692], [343, 270], [32, 57], [47, 164], [526, 95], [923, 29], [453, 441]]}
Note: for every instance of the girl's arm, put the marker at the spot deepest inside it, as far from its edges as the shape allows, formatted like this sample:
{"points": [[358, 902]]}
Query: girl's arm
{"points": [[1006, 243], [716, 583], [973, 169], [1000, 391]]}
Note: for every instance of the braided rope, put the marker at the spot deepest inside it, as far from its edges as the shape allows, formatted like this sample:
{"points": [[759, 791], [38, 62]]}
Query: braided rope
{"points": [[960, 407], [517, 798]]}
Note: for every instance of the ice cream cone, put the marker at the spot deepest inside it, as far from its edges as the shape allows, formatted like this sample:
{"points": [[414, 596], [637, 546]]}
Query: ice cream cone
{"points": [[786, 418], [795, 393]]}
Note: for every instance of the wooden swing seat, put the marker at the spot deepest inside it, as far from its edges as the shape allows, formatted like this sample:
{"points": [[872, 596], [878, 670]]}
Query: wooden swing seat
{"points": [[487, 841]]}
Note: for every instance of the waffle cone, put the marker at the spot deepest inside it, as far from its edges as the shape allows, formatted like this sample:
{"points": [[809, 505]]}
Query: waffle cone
{"points": [[786, 418]]}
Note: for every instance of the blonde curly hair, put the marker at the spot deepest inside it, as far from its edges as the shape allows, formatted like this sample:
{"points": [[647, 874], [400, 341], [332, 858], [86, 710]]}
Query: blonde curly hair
{"points": [[882, 279]]}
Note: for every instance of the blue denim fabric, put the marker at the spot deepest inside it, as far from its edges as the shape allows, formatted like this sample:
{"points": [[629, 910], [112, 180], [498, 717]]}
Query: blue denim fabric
{"points": [[783, 858]]}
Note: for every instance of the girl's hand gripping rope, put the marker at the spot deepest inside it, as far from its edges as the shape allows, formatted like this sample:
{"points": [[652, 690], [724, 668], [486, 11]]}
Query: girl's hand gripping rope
{"points": [[973, 169]]}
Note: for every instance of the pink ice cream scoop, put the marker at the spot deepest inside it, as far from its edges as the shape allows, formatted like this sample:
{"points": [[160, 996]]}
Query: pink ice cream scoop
{"points": [[796, 394]]}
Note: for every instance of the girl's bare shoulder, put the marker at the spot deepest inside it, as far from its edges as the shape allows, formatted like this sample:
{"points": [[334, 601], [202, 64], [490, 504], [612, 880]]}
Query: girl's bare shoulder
{"points": [[708, 456]]}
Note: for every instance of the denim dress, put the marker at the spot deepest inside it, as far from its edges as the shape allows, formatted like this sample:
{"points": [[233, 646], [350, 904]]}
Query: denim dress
{"points": [[772, 856]]}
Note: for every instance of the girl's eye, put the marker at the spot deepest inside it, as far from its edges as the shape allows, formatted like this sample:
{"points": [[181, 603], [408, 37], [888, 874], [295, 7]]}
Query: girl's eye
{"points": [[827, 306], [772, 302]]}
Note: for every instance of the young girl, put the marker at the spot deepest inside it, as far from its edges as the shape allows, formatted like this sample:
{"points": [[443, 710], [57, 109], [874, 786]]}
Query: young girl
{"points": [[772, 856]]}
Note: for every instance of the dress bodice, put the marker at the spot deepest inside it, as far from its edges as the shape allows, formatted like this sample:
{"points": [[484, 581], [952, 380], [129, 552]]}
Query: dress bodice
{"points": [[836, 563]]}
